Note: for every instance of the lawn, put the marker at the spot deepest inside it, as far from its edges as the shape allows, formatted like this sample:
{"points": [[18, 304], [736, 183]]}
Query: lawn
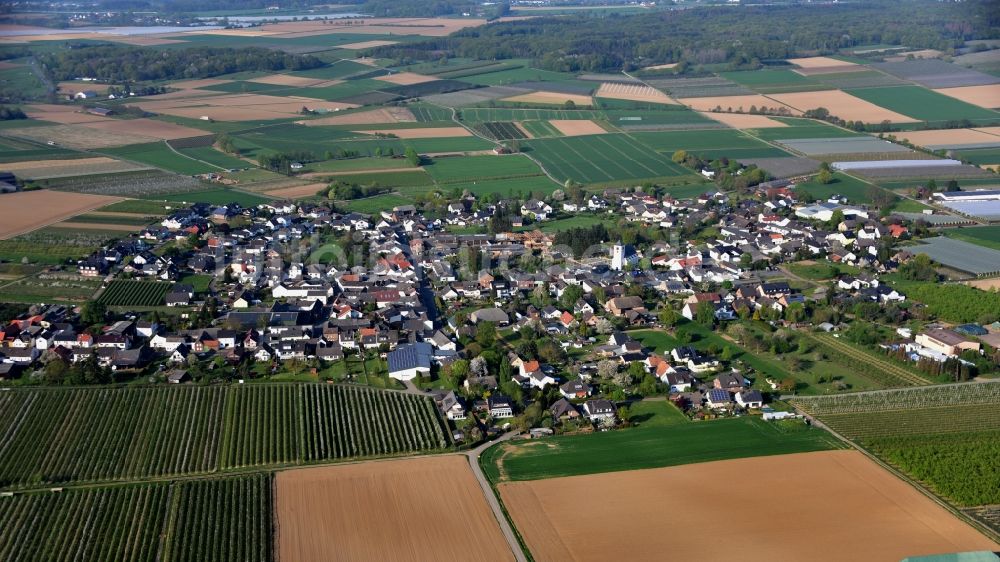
{"points": [[139, 206], [215, 197], [921, 103], [602, 158], [506, 187], [465, 168], [160, 155], [652, 446], [821, 271], [213, 156]]}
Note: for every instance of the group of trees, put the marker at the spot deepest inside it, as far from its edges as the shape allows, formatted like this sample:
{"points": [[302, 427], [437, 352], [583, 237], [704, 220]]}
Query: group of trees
{"points": [[729, 174], [120, 64], [10, 113], [741, 36], [344, 190], [282, 162], [581, 238]]}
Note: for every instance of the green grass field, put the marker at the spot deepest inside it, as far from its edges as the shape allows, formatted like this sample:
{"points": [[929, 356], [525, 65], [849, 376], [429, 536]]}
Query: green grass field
{"points": [[652, 445], [213, 156], [540, 129], [713, 143], [372, 205], [921, 103], [986, 236], [855, 190], [468, 168], [358, 164], [507, 187], [980, 156], [774, 81], [477, 114], [801, 129], [602, 158], [215, 197], [409, 178], [137, 206], [160, 155]]}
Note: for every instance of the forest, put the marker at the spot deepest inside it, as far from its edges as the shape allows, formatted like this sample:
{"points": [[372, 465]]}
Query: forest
{"points": [[116, 63], [739, 36]]}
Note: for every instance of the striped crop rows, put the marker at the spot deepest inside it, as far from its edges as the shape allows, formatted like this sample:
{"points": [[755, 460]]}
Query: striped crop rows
{"points": [[201, 520], [902, 399], [134, 293], [98, 434]]}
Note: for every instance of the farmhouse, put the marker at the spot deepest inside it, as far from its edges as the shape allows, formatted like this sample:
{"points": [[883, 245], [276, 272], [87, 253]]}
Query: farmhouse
{"points": [[947, 342]]}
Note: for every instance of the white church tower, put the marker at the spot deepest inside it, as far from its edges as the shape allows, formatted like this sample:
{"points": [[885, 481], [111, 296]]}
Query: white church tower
{"points": [[618, 257]]}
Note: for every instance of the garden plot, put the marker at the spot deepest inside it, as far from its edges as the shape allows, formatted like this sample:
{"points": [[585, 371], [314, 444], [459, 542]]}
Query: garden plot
{"points": [[740, 104], [744, 121], [842, 105], [42, 169], [885, 517], [383, 115], [936, 73], [632, 92], [549, 98], [957, 254], [475, 96], [576, 127], [30, 210], [700, 87], [847, 145], [784, 167], [986, 96], [951, 138]]}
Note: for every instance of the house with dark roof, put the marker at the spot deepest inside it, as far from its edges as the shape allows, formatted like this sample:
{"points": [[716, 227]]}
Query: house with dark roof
{"points": [[411, 360]]}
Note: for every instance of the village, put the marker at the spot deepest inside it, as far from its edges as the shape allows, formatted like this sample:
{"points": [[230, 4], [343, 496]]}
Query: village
{"points": [[506, 329]]}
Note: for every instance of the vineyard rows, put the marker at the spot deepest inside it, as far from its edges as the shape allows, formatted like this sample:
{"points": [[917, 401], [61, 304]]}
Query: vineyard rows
{"points": [[95, 434], [123, 292], [500, 130], [922, 421], [878, 369], [902, 399], [223, 519]]}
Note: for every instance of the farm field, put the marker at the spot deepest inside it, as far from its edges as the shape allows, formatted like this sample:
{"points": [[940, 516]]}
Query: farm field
{"points": [[129, 522], [50, 288], [987, 236], [648, 447], [214, 197], [477, 114], [102, 434], [843, 105], [711, 143], [508, 187], [162, 156], [30, 210], [774, 81], [987, 96], [602, 158], [43, 169], [123, 292], [855, 190], [923, 104], [468, 168], [414, 509], [885, 518]]}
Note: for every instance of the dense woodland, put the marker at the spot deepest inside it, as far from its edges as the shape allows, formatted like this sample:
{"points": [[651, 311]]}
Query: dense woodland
{"points": [[116, 63], [740, 36]]}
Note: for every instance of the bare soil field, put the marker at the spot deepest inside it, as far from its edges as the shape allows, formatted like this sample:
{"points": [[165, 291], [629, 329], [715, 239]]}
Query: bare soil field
{"points": [[984, 96], [985, 284], [307, 190], [819, 62], [735, 103], [744, 121], [575, 128], [372, 117], [143, 40], [62, 114], [949, 137], [842, 105], [826, 506], [632, 92], [405, 78], [667, 66], [288, 80], [922, 54], [366, 45], [41, 169], [423, 133], [990, 130], [146, 127], [552, 98], [30, 210], [76, 136], [73, 87], [97, 226], [415, 509]]}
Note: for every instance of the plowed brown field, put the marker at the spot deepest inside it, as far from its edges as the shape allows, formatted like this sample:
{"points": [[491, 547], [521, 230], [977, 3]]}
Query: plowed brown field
{"points": [[30, 210], [401, 510], [824, 506]]}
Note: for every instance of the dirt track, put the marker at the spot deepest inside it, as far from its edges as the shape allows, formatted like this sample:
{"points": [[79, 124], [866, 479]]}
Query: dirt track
{"points": [[414, 509], [824, 506]]}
